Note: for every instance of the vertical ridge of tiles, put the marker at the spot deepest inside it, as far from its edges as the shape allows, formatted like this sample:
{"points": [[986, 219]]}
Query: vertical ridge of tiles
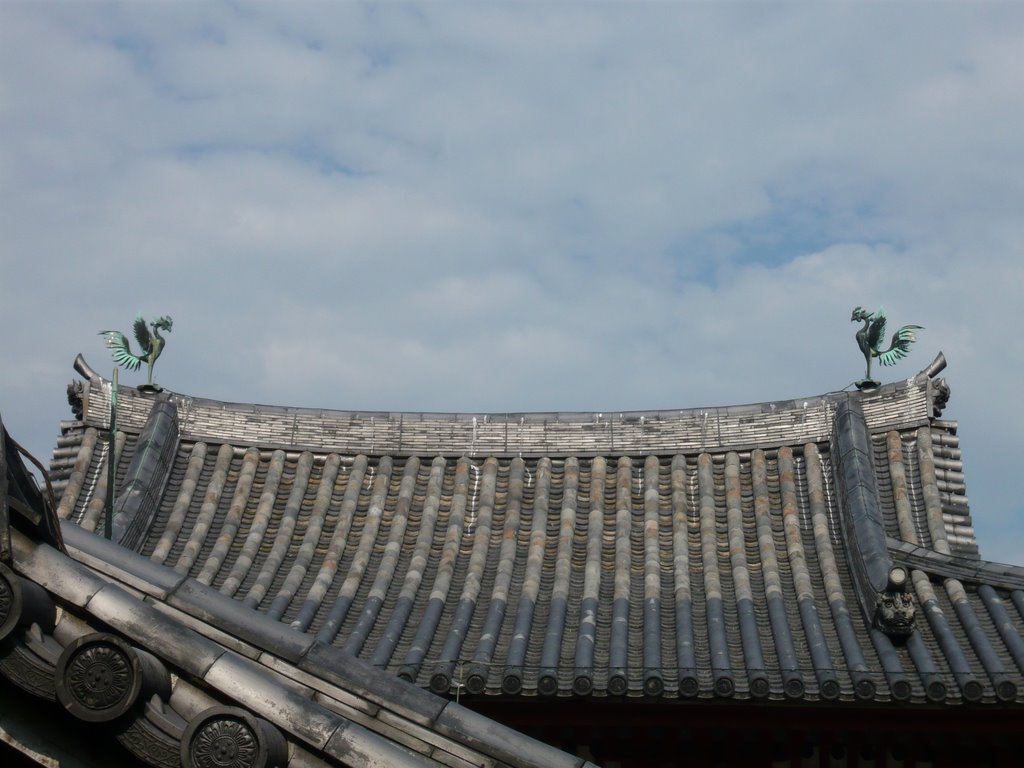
{"points": [[970, 687], [310, 539], [654, 683], [618, 651], [258, 528], [718, 643], [69, 499], [413, 660], [196, 459], [1004, 625], [927, 670], [283, 539], [863, 686], [476, 679], [750, 639], [686, 656], [898, 475], [895, 676], [414, 575], [583, 676], [547, 683], [233, 519], [440, 681], [378, 498], [208, 509], [820, 656], [1005, 688], [930, 491], [98, 500], [512, 682], [1017, 598], [792, 681], [386, 569], [336, 548]]}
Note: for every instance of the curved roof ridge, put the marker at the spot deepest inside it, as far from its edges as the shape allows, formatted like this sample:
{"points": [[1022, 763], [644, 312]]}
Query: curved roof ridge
{"points": [[753, 406], [734, 427]]}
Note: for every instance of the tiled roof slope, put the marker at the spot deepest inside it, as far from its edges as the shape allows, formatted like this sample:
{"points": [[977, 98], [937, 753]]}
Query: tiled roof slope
{"points": [[181, 675], [703, 552]]}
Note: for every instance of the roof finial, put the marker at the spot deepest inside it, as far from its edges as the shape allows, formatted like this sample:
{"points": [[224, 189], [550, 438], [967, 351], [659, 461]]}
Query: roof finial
{"points": [[152, 345], [869, 339]]}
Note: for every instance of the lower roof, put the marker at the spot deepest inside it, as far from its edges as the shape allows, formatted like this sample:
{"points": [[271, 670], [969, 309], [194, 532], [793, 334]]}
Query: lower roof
{"points": [[817, 550]]}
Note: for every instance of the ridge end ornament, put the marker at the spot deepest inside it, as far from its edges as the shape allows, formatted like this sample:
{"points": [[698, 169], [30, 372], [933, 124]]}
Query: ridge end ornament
{"points": [[151, 344], [870, 338]]}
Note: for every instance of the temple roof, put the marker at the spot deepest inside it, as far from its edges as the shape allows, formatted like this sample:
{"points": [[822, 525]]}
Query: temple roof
{"points": [[815, 549]]}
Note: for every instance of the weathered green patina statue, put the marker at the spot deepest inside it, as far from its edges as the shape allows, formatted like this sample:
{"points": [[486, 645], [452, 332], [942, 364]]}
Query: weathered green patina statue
{"points": [[152, 345], [869, 339]]}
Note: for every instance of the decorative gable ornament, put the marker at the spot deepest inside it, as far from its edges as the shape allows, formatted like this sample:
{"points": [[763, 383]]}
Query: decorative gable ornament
{"points": [[151, 345], [870, 337]]}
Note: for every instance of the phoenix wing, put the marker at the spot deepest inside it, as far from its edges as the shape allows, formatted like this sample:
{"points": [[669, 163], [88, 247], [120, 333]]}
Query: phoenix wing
{"points": [[900, 346], [142, 335], [120, 351], [876, 330]]}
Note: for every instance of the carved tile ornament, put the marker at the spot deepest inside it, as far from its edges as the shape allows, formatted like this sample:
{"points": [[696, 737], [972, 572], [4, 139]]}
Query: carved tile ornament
{"points": [[27, 671], [224, 743], [8, 614], [794, 688], [940, 397], [98, 677], [229, 737], [76, 390], [23, 603], [896, 612], [146, 742]]}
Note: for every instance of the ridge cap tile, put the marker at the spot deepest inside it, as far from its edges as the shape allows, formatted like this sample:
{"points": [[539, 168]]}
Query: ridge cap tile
{"points": [[284, 426], [207, 604], [357, 676], [119, 562]]}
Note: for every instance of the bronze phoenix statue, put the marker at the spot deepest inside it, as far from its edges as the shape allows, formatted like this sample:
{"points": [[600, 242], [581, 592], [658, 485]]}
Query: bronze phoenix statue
{"points": [[152, 344], [871, 336]]}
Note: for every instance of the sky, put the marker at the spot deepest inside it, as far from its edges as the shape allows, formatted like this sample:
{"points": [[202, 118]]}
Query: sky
{"points": [[492, 207]]}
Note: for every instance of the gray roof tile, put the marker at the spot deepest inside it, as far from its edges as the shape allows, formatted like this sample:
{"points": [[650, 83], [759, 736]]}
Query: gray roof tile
{"points": [[662, 553]]}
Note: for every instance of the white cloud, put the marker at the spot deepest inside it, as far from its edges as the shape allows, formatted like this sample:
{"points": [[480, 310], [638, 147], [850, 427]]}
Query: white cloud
{"points": [[516, 207]]}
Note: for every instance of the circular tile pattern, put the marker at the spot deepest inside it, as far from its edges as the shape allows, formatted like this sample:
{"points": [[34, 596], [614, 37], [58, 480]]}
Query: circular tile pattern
{"points": [[98, 677], [224, 742], [10, 608], [231, 737]]}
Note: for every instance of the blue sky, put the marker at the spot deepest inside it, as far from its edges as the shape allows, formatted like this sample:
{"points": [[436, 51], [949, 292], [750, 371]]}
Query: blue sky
{"points": [[530, 206]]}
